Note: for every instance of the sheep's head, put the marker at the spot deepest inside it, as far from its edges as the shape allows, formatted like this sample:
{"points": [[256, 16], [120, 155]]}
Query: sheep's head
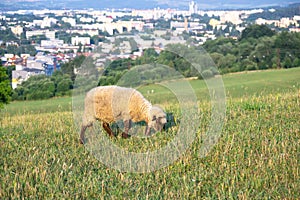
{"points": [[158, 119]]}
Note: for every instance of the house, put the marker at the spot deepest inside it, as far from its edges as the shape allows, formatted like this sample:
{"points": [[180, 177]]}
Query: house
{"points": [[36, 64], [52, 43], [71, 21], [17, 30], [49, 34], [51, 65], [90, 32], [48, 22], [41, 64], [81, 40], [18, 76], [44, 63], [12, 59], [11, 43], [3, 60]]}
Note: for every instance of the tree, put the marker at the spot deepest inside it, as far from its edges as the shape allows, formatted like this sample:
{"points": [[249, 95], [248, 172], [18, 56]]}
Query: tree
{"points": [[257, 31], [80, 48], [133, 45], [287, 62], [64, 86], [286, 40], [36, 87], [63, 83], [68, 68], [163, 24], [9, 70], [216, 57], [27, 49], [7, 35], [206, 74], [248, 65], [227, 61], [5, 88], [149, 56], [130, 79], [38, 38], [11, 49], [214, 45]]}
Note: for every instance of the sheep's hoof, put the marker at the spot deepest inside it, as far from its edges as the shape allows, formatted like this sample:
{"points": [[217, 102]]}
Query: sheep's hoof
{"points": [[82, 141], [125, 135]]}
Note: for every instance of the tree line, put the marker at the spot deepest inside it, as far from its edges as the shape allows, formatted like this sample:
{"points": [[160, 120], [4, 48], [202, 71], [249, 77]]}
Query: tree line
{"points": [[258, 48], [289, 11]]}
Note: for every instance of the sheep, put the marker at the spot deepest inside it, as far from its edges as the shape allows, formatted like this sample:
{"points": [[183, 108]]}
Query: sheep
{"points": [[112, 103]]}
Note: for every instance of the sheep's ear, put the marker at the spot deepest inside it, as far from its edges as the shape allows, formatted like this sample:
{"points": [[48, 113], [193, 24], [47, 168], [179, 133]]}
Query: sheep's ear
{"points": [[154, 118]]}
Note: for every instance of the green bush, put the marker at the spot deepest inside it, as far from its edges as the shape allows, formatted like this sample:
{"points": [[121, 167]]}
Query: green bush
{"points": [[44, 87], [206, 74], [63, 87]]}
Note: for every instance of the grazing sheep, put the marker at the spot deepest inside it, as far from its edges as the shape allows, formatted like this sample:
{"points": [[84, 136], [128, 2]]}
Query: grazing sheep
{"points": [[112, 103]]}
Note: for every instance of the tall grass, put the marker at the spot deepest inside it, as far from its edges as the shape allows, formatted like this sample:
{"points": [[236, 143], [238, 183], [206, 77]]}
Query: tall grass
{"points": [[256, 157]]}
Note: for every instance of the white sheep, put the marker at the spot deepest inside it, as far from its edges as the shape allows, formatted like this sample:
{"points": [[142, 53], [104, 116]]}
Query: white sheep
{"points": [[113, 103]]}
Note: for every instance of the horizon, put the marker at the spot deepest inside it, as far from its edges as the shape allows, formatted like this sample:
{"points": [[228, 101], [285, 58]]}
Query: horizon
{"points": [[144, 4]]}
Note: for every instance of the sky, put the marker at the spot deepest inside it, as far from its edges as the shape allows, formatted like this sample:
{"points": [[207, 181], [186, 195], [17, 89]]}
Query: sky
{"points": [[230, 3], [183, 4]]}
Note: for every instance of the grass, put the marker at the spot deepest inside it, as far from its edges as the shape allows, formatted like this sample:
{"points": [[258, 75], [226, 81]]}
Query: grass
{"points": [[257, 156], [262, 82], [43, 106]]}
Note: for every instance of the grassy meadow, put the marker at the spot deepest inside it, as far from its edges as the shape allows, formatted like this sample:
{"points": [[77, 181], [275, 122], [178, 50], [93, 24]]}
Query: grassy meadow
{"points": [[256, 157]]}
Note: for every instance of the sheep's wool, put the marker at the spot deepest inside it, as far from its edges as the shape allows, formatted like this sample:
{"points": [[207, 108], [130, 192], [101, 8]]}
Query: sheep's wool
{"points": [[113, 103]]}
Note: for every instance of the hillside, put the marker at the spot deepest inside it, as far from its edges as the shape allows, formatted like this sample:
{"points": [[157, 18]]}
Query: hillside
{"points": [[256, 156]]}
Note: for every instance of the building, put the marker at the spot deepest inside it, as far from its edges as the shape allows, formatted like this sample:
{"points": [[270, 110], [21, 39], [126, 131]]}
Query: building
{"points": [[49, 34], [80, 40], [41, 64], [90, 32], [18, 76], [193, 7], [2, 17], [71, 21], [297, 30], [37, 22], [36, 64], [45, 63], [231, 16], [152, 14], [86, 20], [214, 23], [17, 30], [52, 43], [123, 26], [48, 22], [282, 23], [11, 59]]}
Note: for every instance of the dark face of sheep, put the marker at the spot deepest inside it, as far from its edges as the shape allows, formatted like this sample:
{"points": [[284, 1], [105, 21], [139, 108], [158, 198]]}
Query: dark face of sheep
{"points": [[158, 117]]}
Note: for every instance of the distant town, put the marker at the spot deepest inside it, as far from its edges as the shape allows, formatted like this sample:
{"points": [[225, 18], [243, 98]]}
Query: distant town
{"points": [[40, 41]]}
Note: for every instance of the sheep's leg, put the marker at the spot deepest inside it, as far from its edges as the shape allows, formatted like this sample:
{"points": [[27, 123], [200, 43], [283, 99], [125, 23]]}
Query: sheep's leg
{"points": [[83, 129], [147, 131], [107, 129], [127, 126]]}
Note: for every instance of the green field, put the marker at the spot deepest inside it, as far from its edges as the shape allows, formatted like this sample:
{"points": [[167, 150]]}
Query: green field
{"points": [[256, 157]]}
